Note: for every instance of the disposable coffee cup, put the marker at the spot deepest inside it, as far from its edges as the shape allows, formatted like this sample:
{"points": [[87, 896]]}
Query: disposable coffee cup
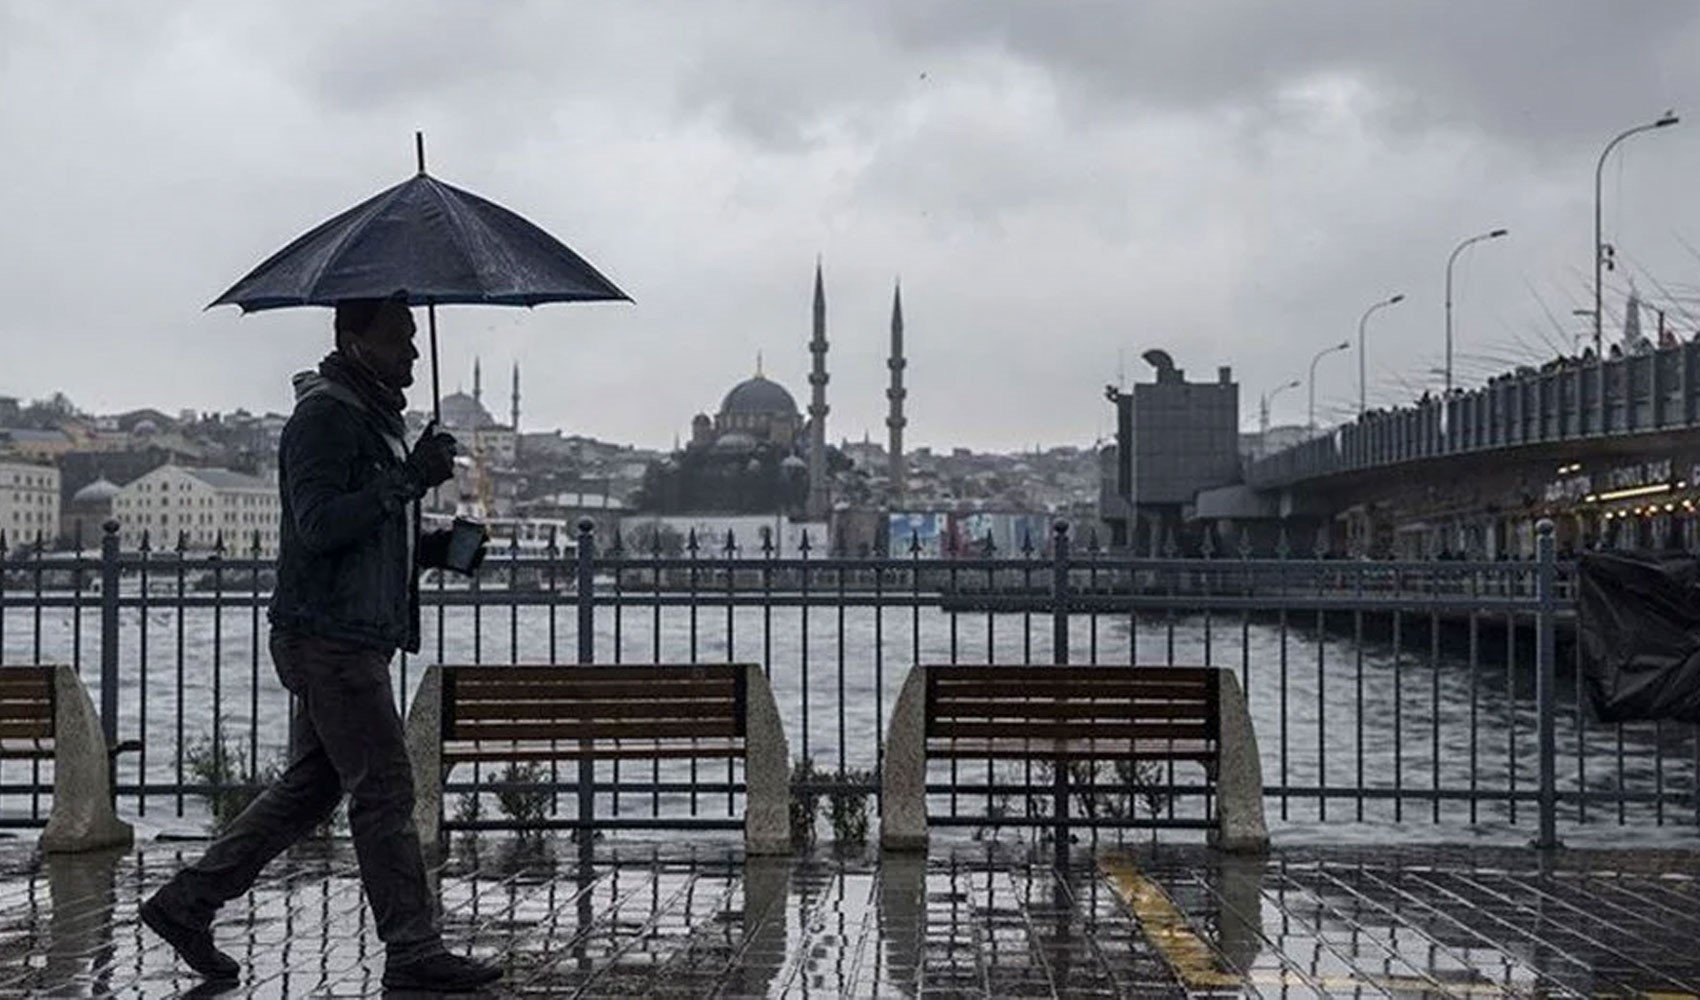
{"points": [[465, 537]]}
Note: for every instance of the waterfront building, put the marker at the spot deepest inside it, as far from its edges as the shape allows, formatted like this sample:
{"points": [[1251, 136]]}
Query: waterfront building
{"points": [[201, 506], [1174, 438], [29, 502]]}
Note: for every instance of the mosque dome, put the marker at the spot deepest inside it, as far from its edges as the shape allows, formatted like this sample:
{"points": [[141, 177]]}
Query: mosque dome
{"points": [[102, 490], [145, 428], [462, 411], [758, 395]]}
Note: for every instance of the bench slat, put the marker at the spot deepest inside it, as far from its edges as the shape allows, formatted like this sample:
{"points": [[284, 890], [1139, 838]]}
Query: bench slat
{"points": [[35, 729], [593, 730], [457, 753], [534, 709], [599, 673], [947, 729], [1022, 690], [25, 708], [577, 690], [1014, 749], [1003, 708], [1039, 671]]}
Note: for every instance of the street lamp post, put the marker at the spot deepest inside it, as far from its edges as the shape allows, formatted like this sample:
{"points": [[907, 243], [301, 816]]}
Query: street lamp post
{"points": [[1263, 409], [1363, 395], [1491, 235], [1344, 345], [1665, 120]]}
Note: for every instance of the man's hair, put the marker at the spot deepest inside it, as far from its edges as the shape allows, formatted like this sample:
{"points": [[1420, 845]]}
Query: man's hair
{"points": [[355, 316]]}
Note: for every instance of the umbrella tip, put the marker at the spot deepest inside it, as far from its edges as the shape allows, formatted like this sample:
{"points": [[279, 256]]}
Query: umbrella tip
{"points": [[419, 149]]}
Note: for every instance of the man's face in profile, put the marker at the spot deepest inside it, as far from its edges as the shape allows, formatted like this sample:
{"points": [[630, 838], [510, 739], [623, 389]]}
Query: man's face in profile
{"points": [[387, 345]]}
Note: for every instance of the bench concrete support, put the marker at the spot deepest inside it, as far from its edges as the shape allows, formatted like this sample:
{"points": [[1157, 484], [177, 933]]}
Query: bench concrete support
{"points": [[1239, 774], [82, 818], [425, 750], [903, 774], [767, 767]]}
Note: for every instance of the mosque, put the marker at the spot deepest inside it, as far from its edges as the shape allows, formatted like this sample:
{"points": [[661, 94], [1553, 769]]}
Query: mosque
{"points": [[759, 453]]}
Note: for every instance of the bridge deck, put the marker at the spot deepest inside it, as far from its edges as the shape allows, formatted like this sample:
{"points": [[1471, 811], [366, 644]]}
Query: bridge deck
{"points": [[970, 920]]}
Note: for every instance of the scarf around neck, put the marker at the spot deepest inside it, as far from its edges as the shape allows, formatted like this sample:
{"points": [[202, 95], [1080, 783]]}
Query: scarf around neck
{"points": [[384, 402]]}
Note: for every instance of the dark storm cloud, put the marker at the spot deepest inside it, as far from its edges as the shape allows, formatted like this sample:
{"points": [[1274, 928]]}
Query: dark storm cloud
{"points": [[1058, 183]]}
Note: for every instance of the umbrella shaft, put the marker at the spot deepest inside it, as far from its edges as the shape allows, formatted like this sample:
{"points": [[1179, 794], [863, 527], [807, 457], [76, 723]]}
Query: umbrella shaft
{"points": [[436, 384]]}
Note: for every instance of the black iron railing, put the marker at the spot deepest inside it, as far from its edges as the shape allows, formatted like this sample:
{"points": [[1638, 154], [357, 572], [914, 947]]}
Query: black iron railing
{"points": [[1400, 692]]}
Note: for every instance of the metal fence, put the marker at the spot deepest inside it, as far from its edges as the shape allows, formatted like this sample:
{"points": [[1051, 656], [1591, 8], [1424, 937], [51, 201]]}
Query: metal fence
{"points": [[1381, 692]]}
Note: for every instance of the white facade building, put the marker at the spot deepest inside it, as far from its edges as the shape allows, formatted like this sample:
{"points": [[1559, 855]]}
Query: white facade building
{"points": [[200, 506], [29, 502]]}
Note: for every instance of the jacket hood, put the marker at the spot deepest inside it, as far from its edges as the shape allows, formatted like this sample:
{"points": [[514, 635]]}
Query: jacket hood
{"points": [[307, 384]]}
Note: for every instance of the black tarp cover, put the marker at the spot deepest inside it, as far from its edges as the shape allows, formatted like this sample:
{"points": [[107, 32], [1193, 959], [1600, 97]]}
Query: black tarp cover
{"points": [[1640, 632]]}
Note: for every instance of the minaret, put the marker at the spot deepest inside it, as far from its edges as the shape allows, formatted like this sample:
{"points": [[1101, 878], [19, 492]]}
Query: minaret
{"points": [[515, 412], [477, 382], [819, 502], [896, 422]]}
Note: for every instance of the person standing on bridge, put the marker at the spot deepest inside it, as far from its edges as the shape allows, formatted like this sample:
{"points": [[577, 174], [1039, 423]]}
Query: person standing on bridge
{"points": [[347, 597]]}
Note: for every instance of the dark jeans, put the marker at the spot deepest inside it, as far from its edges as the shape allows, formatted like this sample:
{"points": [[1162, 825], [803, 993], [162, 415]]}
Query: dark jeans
{"points": [[348, 739]]}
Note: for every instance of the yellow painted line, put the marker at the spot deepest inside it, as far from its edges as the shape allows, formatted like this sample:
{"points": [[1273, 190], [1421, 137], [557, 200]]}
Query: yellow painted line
{"points": [[1167, 928], [1195, 964]]}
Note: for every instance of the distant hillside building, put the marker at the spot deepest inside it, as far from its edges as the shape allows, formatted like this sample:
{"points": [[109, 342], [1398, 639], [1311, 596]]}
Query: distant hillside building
{"points": [[29, 503], [200, 505]]}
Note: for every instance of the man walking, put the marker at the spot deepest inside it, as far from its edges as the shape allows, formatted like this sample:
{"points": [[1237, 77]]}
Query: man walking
{"points": [[347, 598]]}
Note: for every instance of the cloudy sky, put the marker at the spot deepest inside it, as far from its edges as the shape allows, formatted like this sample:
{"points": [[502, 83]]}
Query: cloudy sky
{"points": [[1059, 184]]}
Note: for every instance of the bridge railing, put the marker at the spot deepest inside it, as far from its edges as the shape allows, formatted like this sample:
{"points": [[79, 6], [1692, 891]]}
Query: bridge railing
{"points": [[1381, 692], [1564, 400]]}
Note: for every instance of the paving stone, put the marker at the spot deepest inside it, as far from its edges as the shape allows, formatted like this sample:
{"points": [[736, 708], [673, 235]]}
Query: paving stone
{"points": [[692, 918]]}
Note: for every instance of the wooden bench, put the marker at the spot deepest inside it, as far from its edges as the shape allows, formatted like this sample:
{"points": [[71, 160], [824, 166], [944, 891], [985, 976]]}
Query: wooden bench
{"points": [[1064, 714], [499, 714], [46, 714]]}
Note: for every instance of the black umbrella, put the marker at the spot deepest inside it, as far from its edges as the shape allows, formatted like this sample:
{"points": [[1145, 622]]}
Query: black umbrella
{"points": [[436, 242]]}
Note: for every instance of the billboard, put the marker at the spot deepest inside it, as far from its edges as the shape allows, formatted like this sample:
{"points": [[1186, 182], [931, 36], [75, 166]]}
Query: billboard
{"points": [[964, 535]]}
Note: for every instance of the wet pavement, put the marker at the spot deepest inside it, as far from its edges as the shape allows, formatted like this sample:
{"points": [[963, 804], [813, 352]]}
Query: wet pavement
{"points": [[695, 919]]}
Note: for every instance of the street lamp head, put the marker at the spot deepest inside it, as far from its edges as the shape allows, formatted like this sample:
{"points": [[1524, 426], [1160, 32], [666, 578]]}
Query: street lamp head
{"points": [[1395, 300], [1344, 345], [1497, 233], [1294, 384], [1669, 118]]}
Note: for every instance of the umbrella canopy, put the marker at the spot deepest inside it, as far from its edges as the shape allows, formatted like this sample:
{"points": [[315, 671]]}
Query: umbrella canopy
{"points": [[440, 244]]}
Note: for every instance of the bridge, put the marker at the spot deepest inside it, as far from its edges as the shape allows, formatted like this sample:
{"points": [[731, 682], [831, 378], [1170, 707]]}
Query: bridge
{"points": [[1565, 403], [1609, 449]]}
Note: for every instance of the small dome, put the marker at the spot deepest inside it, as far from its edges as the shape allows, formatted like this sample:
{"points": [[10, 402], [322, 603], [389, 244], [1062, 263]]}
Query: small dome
{"points": [[759, 395], [144, 428], [102, 490], [793, 462]]}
